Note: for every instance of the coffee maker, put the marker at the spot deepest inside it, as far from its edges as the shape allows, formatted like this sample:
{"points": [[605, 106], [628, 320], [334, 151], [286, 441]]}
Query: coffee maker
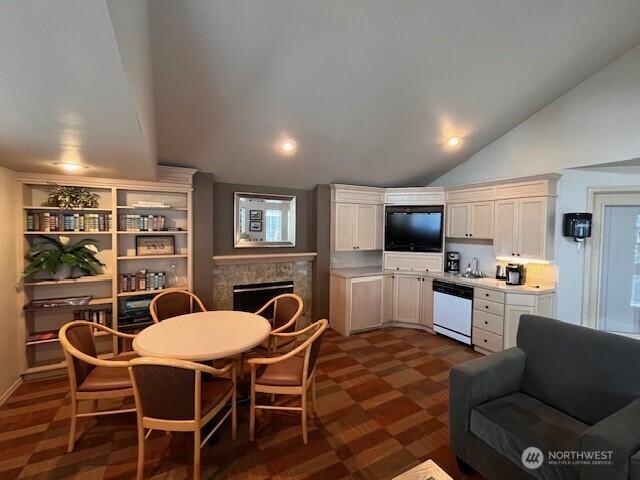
{"points": [[516, 274], [453, 262]]}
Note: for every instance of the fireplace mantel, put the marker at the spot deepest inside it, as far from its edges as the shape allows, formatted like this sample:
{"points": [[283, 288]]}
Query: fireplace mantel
{"points": [[264, 258]]}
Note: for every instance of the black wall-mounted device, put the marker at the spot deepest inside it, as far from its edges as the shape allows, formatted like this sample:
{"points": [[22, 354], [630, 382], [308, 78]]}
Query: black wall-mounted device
{"points": [[577, 225]]}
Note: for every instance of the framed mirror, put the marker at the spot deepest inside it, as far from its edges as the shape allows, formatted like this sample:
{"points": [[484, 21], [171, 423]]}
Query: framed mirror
{"points": [[263, 220]]}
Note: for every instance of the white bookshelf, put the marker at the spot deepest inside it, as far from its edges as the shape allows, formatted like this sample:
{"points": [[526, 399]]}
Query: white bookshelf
{"points": [[117, 250]]}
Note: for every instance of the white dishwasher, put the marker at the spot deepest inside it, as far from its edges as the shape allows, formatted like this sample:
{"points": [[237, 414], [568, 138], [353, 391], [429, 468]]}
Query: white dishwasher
{"points": [[452, 310]]}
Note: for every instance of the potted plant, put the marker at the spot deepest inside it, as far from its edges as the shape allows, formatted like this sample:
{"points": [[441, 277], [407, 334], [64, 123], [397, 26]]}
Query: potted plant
{"points": [[60, 259], [71, 197]]}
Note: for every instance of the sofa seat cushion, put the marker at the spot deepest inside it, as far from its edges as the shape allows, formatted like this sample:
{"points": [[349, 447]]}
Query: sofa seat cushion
{"points": [[512, 423]]}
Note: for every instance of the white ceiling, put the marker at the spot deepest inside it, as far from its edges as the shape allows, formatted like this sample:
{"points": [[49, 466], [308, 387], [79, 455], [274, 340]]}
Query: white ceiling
{"points": [[66, 93], [369, 89]]}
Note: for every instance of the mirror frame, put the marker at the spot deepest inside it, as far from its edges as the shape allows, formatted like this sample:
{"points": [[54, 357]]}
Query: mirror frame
{"points": [[265, 196]]}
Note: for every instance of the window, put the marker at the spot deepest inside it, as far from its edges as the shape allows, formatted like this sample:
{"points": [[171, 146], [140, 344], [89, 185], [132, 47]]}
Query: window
{"points": [[274, 225]]}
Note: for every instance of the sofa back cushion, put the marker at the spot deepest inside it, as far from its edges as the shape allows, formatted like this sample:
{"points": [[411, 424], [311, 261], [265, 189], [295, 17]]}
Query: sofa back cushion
{"points": [[585, 373]]}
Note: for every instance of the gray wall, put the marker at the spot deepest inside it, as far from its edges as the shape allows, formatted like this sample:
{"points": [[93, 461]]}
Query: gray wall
{"points": [[223, 219], [203, 237], [322, 220]]}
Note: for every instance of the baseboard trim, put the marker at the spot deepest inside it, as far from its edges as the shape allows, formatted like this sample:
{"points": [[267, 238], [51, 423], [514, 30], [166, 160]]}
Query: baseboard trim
{"points": [[5, 396]]}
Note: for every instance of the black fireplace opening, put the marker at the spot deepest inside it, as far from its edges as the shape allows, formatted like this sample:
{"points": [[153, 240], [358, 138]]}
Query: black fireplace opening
{"points": [[251, 297]]}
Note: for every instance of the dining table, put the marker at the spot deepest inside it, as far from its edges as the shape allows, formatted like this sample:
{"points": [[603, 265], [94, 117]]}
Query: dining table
{"points": [[203, 336]]}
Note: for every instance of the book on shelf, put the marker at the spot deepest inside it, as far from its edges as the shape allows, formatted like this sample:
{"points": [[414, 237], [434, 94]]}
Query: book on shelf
{"points": [[142, 280], [141, 223], [101, 316], [68, 222], [150, 204], [58, 302]]}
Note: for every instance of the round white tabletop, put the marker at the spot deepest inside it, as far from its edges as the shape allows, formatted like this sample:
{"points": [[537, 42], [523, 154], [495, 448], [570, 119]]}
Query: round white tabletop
{"points": [[203, 336]]}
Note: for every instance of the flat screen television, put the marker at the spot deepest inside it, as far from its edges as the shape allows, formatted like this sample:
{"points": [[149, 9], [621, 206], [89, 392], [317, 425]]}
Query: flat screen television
{"points": [[413, 229]]}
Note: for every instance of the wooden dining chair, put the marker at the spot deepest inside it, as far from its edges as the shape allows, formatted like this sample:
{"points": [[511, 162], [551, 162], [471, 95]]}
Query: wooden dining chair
{"points": [[291, 373], [284, 313], [174, 302], [171, 395], [92, 378]]}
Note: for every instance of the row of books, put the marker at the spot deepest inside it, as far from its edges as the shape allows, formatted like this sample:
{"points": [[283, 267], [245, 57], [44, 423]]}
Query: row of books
{"points": [[68, 222], [142, 280], [100, 316], [141, 223]]}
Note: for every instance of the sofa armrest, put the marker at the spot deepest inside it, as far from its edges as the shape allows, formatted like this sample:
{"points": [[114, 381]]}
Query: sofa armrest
{"points": [[478, 381], [619, 434]]}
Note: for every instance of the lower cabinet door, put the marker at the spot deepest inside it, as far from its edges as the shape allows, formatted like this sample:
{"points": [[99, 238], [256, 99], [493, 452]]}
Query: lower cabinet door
{"points": [[387, 303], [511, 321], [426, 308], [406, 298], [366, 302]]}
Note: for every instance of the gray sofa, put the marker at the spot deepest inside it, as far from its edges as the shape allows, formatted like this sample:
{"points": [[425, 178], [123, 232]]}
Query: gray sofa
{"points": [[563, 388]]}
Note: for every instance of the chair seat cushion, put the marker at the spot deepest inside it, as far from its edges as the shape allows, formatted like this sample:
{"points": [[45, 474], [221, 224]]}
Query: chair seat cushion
{"points": [[109, 378], [287, 373], [213, 391], [106, 378], [512, 423]]}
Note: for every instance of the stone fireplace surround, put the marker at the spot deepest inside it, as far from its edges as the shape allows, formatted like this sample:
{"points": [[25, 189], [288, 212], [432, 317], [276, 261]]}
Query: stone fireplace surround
{"points": [[233, 270]]}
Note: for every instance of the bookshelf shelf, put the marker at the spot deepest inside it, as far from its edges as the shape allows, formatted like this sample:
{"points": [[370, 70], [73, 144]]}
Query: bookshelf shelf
{"points": [[153, 257], [57, 365], [141, 293], [71, 281], [117, 199], [154, 232], [57, 340], [131, 207], [57, 232], [60, 209]]}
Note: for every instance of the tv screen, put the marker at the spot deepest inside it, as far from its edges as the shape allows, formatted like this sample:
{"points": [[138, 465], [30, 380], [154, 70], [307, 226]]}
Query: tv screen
{"points": [[414, 229]]}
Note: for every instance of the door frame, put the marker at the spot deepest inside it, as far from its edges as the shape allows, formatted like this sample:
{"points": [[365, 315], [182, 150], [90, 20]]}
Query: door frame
{"points": [[593, 253]]}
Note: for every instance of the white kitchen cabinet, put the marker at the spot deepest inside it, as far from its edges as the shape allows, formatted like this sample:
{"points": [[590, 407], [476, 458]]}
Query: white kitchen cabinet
{"points": [[357, 227], [406, 298], [346, 218], [524, 228], [356, 303], [387, 305], [426, 302], [505, 228], [518, 305], [470, 220]]}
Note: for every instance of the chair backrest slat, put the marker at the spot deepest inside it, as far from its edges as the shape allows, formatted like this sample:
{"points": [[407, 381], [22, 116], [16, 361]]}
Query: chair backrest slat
{"points": [[174, 303]]}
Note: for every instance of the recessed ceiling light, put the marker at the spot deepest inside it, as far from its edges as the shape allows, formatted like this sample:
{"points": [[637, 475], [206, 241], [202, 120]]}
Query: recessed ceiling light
{"points": [[453, 142], [70, 166], [288, 146]]}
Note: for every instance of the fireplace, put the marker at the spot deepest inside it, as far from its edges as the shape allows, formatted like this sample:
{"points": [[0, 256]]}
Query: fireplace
{"points": [[250, 297]]}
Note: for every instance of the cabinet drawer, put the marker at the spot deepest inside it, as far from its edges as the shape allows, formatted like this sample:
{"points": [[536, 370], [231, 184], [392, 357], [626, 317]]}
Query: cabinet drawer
{"points": [[491, 295], [413, 262], [487, 340], [488, 321], [488, 306]]}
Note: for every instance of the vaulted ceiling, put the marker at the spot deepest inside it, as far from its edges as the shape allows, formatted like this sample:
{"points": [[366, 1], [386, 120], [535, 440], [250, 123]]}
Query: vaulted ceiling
{"points": [[369, 89]]}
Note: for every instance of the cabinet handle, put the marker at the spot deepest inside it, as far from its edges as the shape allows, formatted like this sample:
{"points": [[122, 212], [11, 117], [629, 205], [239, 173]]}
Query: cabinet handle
{"points": [[484, 340], [518, 254], [486, 306], [486, 294], [486, 323], [471, 235], [513, 254]]}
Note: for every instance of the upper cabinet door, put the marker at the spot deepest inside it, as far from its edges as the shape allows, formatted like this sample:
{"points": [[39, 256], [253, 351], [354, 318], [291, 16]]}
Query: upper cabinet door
{"points": [[458, 220], [532, 227], [505, 228], [366, 224], [482, 220], [346, 226]]}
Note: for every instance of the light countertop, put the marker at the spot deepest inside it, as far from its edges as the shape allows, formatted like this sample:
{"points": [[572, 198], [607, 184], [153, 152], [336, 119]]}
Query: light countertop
{"points": [[487, 282]]}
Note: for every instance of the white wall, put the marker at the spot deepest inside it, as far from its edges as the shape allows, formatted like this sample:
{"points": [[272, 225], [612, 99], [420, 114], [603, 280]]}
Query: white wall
{"points": [[596, 122], [11, 350]]}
